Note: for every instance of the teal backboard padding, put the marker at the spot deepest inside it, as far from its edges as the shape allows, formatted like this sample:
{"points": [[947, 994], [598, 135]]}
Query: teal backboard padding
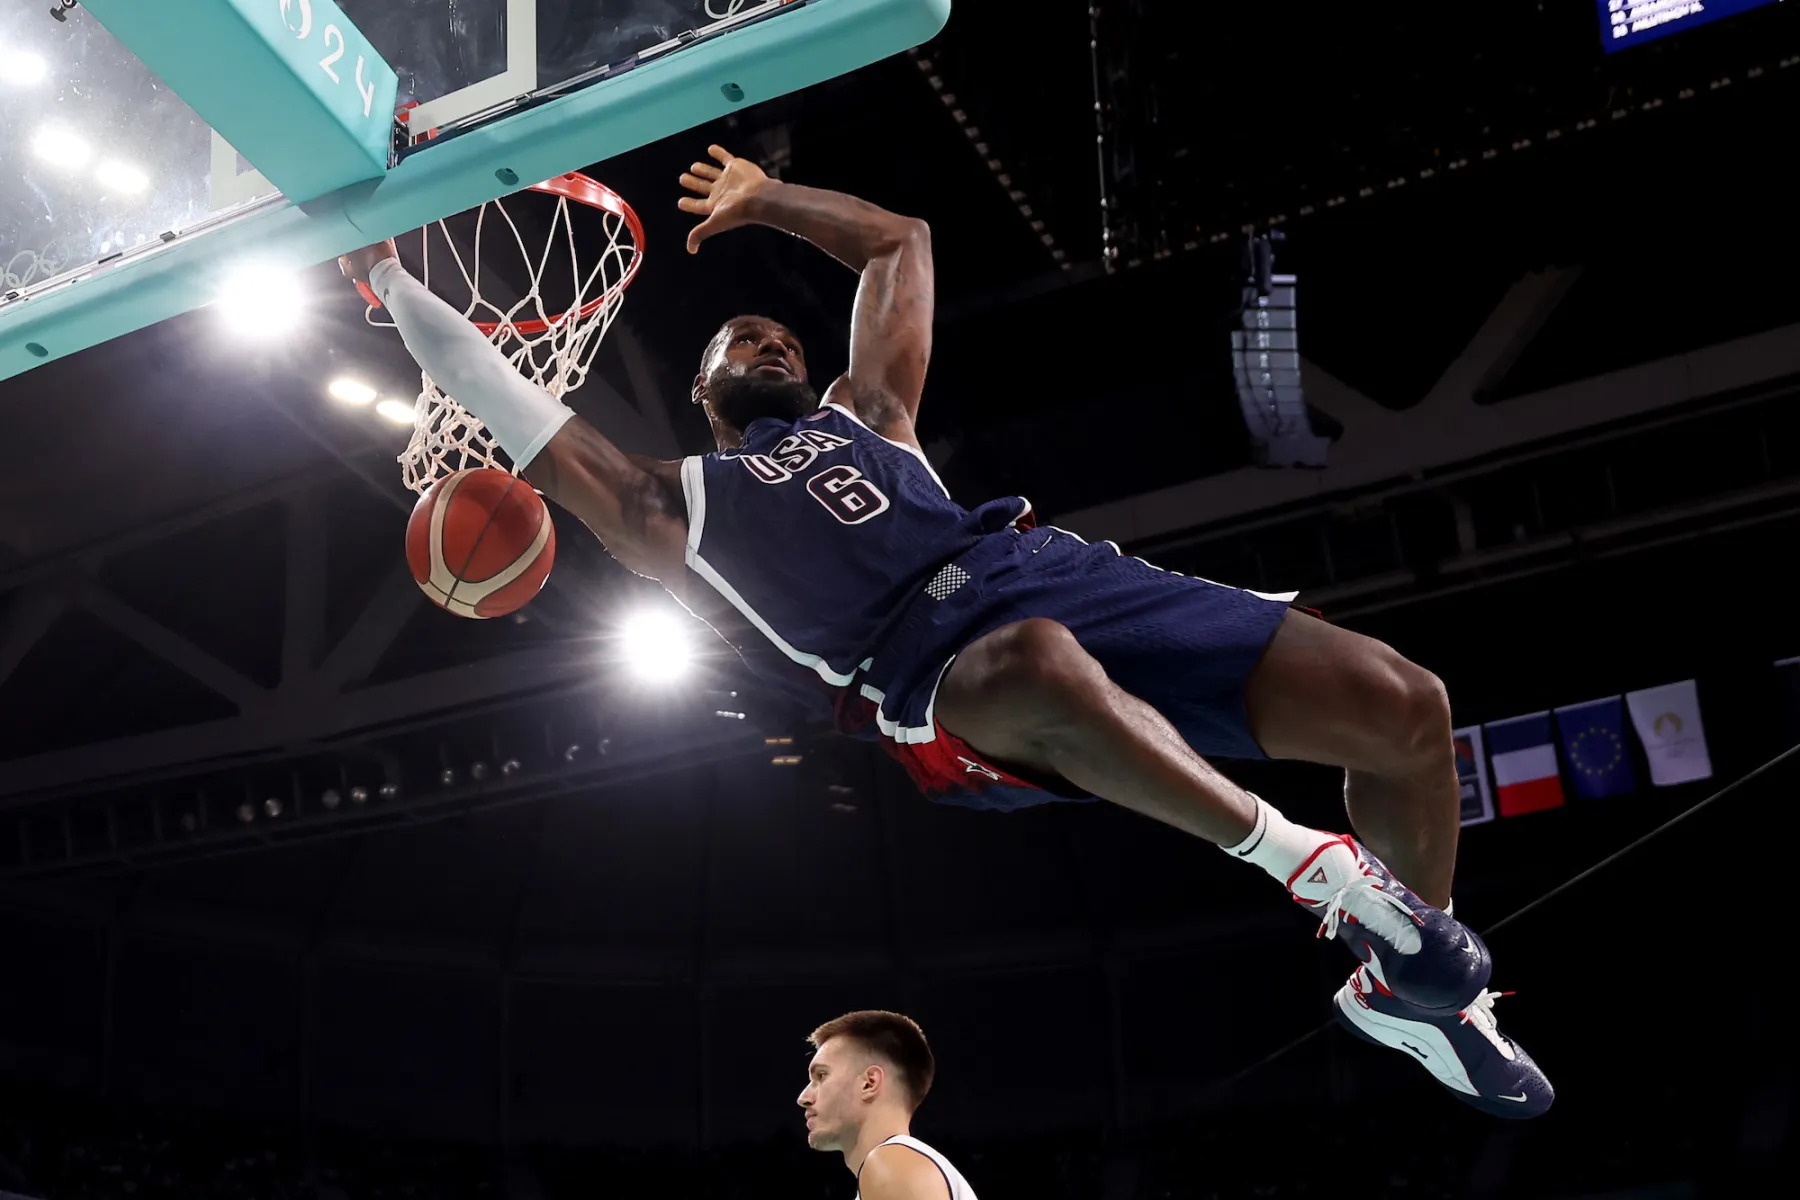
{"points": [[792, 50], [294, 87]]}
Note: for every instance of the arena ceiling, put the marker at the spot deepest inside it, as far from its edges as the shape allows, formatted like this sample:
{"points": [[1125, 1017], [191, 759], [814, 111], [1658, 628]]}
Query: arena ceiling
{"points": [[989, 141], [194, 538]]}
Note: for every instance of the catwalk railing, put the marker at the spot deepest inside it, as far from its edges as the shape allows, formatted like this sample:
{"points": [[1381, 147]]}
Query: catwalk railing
{"points": [[1542, 509]]}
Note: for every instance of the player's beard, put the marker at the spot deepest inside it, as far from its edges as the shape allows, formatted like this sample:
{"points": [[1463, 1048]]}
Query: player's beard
{"points": [[741, 399]]}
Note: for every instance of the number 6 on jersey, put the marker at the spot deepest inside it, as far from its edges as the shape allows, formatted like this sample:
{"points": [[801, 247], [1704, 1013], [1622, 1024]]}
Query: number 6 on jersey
{"points": [[848, 496]]}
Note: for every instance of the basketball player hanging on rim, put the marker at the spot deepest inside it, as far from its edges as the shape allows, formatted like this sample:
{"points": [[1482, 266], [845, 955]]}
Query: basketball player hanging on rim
{"points": [[1006, 665]]}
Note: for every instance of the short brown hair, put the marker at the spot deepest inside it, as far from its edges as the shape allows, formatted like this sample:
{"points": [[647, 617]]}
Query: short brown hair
{"points": [[894, 1037]]}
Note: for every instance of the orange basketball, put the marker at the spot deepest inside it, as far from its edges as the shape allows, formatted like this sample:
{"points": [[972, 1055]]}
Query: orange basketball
{"points": [[480, 543]]}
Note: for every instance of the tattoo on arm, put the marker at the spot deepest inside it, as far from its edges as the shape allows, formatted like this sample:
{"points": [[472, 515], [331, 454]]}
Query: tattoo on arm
{"points": [[619, 497], [542, 475], [890, 340]]}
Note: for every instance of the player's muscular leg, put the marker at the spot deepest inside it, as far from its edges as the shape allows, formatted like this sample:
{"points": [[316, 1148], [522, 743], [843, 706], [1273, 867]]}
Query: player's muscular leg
{"points": [[1028, 696], [1326, 695]]}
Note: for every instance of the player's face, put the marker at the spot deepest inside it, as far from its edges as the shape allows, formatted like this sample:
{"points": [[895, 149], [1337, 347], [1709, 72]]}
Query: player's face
{"points": [[757, 369], [830, 1099]]}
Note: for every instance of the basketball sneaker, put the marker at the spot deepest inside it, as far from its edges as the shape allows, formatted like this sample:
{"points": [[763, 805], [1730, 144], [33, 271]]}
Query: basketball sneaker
{"points": [[1465, 1051], [1418, 953]]}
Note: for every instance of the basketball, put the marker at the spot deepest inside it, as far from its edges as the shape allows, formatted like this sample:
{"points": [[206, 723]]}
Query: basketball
{"points": [[480, 543]]}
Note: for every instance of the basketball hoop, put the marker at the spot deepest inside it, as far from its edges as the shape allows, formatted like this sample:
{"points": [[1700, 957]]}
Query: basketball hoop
{"points": [[550, 342]]}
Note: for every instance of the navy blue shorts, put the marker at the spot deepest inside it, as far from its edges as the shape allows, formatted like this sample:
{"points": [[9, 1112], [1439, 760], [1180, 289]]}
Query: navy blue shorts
{"points": [[1183, 645]]}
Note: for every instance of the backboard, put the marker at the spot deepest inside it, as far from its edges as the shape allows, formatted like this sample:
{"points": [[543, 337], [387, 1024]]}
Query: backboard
{"points": [[120, 205]]}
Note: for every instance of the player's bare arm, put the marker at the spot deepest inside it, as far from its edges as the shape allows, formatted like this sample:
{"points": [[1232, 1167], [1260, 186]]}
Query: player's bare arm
{"points": [[890, 332], [631, 503], [900, 1173]]}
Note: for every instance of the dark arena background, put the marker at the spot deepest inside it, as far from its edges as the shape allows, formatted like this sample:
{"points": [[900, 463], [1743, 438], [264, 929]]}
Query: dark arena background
{"points": [[310, 889]]}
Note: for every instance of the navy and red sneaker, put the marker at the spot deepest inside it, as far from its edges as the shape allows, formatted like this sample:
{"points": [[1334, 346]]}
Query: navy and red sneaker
{"points": [[1420, 954], [1465, 1051]]}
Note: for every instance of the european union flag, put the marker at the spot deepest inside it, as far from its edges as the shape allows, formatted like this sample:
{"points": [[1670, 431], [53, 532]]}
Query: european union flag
{"points": [[1594, 745]]}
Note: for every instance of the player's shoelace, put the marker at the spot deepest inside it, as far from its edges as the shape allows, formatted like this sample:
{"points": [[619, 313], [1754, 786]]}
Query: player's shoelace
{"points": [[1384, 914], [1480, 1014]]}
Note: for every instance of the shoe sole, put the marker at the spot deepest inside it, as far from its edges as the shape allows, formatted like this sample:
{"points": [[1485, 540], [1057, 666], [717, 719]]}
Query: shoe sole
{"points": [[1422, 1043], [1426, 1046]]}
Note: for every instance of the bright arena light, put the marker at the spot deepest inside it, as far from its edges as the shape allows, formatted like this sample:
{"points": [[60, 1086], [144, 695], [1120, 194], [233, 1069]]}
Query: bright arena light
{"points": [[397, 411], [121, 177], [656, 645], [21, 67], [261, 302], [60, 148], [351, 391]]}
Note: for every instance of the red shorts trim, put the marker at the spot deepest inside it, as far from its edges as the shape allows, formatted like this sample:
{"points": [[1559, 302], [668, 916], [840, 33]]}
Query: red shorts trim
{"points": [[948, 764], [946, 769]]}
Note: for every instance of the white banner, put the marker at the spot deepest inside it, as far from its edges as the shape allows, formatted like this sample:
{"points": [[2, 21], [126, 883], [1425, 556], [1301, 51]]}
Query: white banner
{"points": [[1668, 723], [1472, 776]]}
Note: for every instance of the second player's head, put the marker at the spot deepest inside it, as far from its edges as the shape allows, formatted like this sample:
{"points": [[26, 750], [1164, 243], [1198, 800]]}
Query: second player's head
{"points": [[753, 367], [868, 1065]]}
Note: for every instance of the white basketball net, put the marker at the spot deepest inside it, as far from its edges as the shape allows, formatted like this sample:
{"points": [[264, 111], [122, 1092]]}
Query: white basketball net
{"points": [[554, 348]]}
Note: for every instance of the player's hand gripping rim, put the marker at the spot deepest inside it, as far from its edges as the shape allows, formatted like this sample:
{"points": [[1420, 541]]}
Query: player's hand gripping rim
{"points": [[357, 264]]}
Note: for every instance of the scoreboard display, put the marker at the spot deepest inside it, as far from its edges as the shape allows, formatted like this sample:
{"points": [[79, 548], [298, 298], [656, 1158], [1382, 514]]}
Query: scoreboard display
{"points": [[1627, 23]]}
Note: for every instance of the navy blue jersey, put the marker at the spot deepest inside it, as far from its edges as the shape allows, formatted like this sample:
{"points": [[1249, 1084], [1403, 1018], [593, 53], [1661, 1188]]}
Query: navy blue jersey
{"points": [[820, 532]]}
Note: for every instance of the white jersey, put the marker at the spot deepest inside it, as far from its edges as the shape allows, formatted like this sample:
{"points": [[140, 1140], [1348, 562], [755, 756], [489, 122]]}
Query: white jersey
{"points": [[959, 1187]]}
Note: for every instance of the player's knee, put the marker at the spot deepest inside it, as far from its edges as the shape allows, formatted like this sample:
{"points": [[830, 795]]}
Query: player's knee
{"points": [[1413, 709], [1038, 664]]}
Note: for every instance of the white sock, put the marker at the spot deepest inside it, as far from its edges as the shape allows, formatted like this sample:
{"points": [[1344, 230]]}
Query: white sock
{"points": [[522, 416], [1276, 844]]}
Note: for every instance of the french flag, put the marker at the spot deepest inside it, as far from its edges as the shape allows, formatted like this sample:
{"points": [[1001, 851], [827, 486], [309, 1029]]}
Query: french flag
{"points": [[1525, 775]]}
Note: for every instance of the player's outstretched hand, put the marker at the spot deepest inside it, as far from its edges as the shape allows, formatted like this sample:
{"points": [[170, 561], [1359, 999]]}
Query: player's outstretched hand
{"points": [[358, 263], [723, 194]]}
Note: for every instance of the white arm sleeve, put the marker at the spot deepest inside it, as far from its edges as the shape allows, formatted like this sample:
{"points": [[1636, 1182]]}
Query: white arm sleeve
{"points": [[522, 416]]}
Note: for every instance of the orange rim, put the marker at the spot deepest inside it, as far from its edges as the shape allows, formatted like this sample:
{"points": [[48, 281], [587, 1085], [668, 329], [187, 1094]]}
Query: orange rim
{"points": [[591, 192], [582, 190]]}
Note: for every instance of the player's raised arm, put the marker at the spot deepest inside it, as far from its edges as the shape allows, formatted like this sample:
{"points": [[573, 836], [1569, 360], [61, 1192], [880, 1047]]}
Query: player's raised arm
{"points": [[890, 329], [632, 504]]}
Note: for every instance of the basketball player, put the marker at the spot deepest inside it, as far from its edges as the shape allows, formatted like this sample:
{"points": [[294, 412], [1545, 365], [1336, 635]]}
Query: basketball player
{"points": [[868, 1076], [1006, 665]]}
